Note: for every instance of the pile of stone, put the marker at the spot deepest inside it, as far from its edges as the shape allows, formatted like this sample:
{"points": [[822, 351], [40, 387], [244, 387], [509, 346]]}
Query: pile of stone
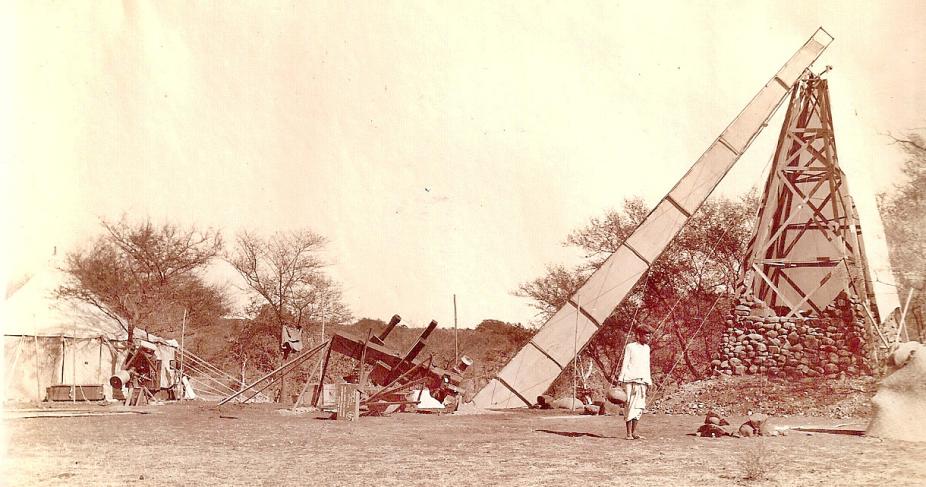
{"points": [[758, 341], [757, 424], [713, 426]]}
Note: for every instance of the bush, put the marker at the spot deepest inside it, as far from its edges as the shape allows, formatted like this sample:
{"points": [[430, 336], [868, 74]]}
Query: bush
{"points": [[756, 461]]}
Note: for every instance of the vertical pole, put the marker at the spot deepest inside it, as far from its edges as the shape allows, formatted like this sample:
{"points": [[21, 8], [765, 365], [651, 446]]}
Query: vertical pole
{"points": [[456, 341], [917, 318], [182, 335], [74, 369], [63, 358], [99, 363], [321, 378], [283, 356], [575, 356], [38, 383], [324, 363], [903, 318]]}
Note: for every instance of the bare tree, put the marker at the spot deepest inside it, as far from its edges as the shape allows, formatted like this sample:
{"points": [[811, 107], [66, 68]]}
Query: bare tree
{"points": [[286, 275], [549, 292], [903, 211], [289, 288], [142, 274]]}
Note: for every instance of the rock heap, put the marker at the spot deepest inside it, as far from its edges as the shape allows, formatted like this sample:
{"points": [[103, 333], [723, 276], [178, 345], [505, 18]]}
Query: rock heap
{"points": [[757, 424], [758, 341]]}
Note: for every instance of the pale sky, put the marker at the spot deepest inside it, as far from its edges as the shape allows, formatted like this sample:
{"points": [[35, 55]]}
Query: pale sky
{"points": [[441, 147]]}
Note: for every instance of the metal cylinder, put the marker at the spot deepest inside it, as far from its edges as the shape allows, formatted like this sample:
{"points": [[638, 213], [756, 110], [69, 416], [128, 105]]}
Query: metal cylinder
{"points": [[119, 380], [464, 364], [392, 323], [427, 331]]}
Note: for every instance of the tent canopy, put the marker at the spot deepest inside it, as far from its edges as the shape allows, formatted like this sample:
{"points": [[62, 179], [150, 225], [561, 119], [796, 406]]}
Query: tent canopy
{"points": [[49, 341], [33, 310]]}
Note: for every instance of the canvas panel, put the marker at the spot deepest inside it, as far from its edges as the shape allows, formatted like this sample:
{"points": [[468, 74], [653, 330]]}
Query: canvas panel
{"points": [[496, 395], [33, 310], [530, 373], [703, 177], [19, 379], [38, 367], [657, 230], [750, 121], [85, 362], [804, 57], [809, 279], [168, 375], [82, 363], [565, 331], [606, 288]]}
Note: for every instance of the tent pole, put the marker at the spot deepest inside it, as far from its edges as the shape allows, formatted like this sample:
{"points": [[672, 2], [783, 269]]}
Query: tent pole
{"points": [[74, 368], [182, 333], [63, 358], [456, 341], [575, 355], [99, 363], [38, 384]]}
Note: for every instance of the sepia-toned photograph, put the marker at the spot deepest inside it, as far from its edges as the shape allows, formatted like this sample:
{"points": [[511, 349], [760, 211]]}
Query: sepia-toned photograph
{"points": [[432, 243]]}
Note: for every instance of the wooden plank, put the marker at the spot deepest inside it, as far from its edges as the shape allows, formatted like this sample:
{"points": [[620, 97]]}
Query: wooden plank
{"points": [[771, 285], [321, 375], [833, 431], [296, 360]]}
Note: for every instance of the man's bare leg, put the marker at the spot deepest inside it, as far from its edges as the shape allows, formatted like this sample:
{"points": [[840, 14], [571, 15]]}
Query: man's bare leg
{"points": [[630, 426], [633, 430]]}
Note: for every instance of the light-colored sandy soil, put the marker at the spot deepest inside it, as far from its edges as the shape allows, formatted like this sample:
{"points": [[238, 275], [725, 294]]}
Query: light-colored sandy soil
{"points": [[191, 444]]}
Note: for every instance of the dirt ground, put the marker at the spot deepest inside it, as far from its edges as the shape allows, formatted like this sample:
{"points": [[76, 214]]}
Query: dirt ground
{"points": [[199, 444], [839, 399]]}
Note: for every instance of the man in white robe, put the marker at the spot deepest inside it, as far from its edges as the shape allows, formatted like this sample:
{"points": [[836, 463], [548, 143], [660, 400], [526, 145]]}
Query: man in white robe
{"points": [[635, 376]]}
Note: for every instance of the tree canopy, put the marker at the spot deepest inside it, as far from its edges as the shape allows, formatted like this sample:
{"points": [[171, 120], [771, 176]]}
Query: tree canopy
{"points": [[287, 280], [903, 212], [684, 295], [142, 274], [289, 287]]}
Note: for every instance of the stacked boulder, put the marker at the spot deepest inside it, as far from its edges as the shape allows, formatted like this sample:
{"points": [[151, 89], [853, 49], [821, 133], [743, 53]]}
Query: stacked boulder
{"points": [[757, 424], [758, 341]]}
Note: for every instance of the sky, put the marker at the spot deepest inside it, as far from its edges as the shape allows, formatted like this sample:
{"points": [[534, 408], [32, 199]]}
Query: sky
{"points": [[442, 148]]}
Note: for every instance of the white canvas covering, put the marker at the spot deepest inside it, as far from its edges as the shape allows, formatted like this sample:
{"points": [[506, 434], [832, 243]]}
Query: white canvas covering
{"points": [[49, 342], [537, 365], [901, 397]]}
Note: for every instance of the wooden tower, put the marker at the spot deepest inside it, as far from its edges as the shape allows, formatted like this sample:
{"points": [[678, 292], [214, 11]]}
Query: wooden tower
{"points": [[556, 344], [807, 248]]}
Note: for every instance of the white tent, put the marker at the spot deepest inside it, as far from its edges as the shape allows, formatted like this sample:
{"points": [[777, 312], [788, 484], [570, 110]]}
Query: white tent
{"points": [[48, 341]]}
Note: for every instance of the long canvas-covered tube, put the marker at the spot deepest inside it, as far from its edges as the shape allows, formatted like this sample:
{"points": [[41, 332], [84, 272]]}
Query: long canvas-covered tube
{"points": [[538, 364]]}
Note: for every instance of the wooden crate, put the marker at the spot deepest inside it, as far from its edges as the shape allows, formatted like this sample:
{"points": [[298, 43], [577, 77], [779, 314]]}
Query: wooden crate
{"points": [[328, 398], [58, 393], [66, 392], [348, 402]]}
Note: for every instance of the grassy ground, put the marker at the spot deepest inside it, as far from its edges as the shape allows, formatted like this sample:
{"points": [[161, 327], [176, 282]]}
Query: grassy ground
{"points": [[193, 444]]}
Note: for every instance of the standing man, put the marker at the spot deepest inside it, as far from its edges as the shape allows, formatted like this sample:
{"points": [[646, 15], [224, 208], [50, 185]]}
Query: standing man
{"points": [[635, 375]]}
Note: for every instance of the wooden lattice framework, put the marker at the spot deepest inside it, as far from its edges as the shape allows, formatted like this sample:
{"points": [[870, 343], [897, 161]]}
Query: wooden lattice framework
{"points": [[807, 248]]}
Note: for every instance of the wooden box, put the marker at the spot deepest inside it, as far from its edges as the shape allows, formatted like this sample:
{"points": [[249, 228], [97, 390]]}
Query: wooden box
{"points": [[91, 392], [348, 402]]}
